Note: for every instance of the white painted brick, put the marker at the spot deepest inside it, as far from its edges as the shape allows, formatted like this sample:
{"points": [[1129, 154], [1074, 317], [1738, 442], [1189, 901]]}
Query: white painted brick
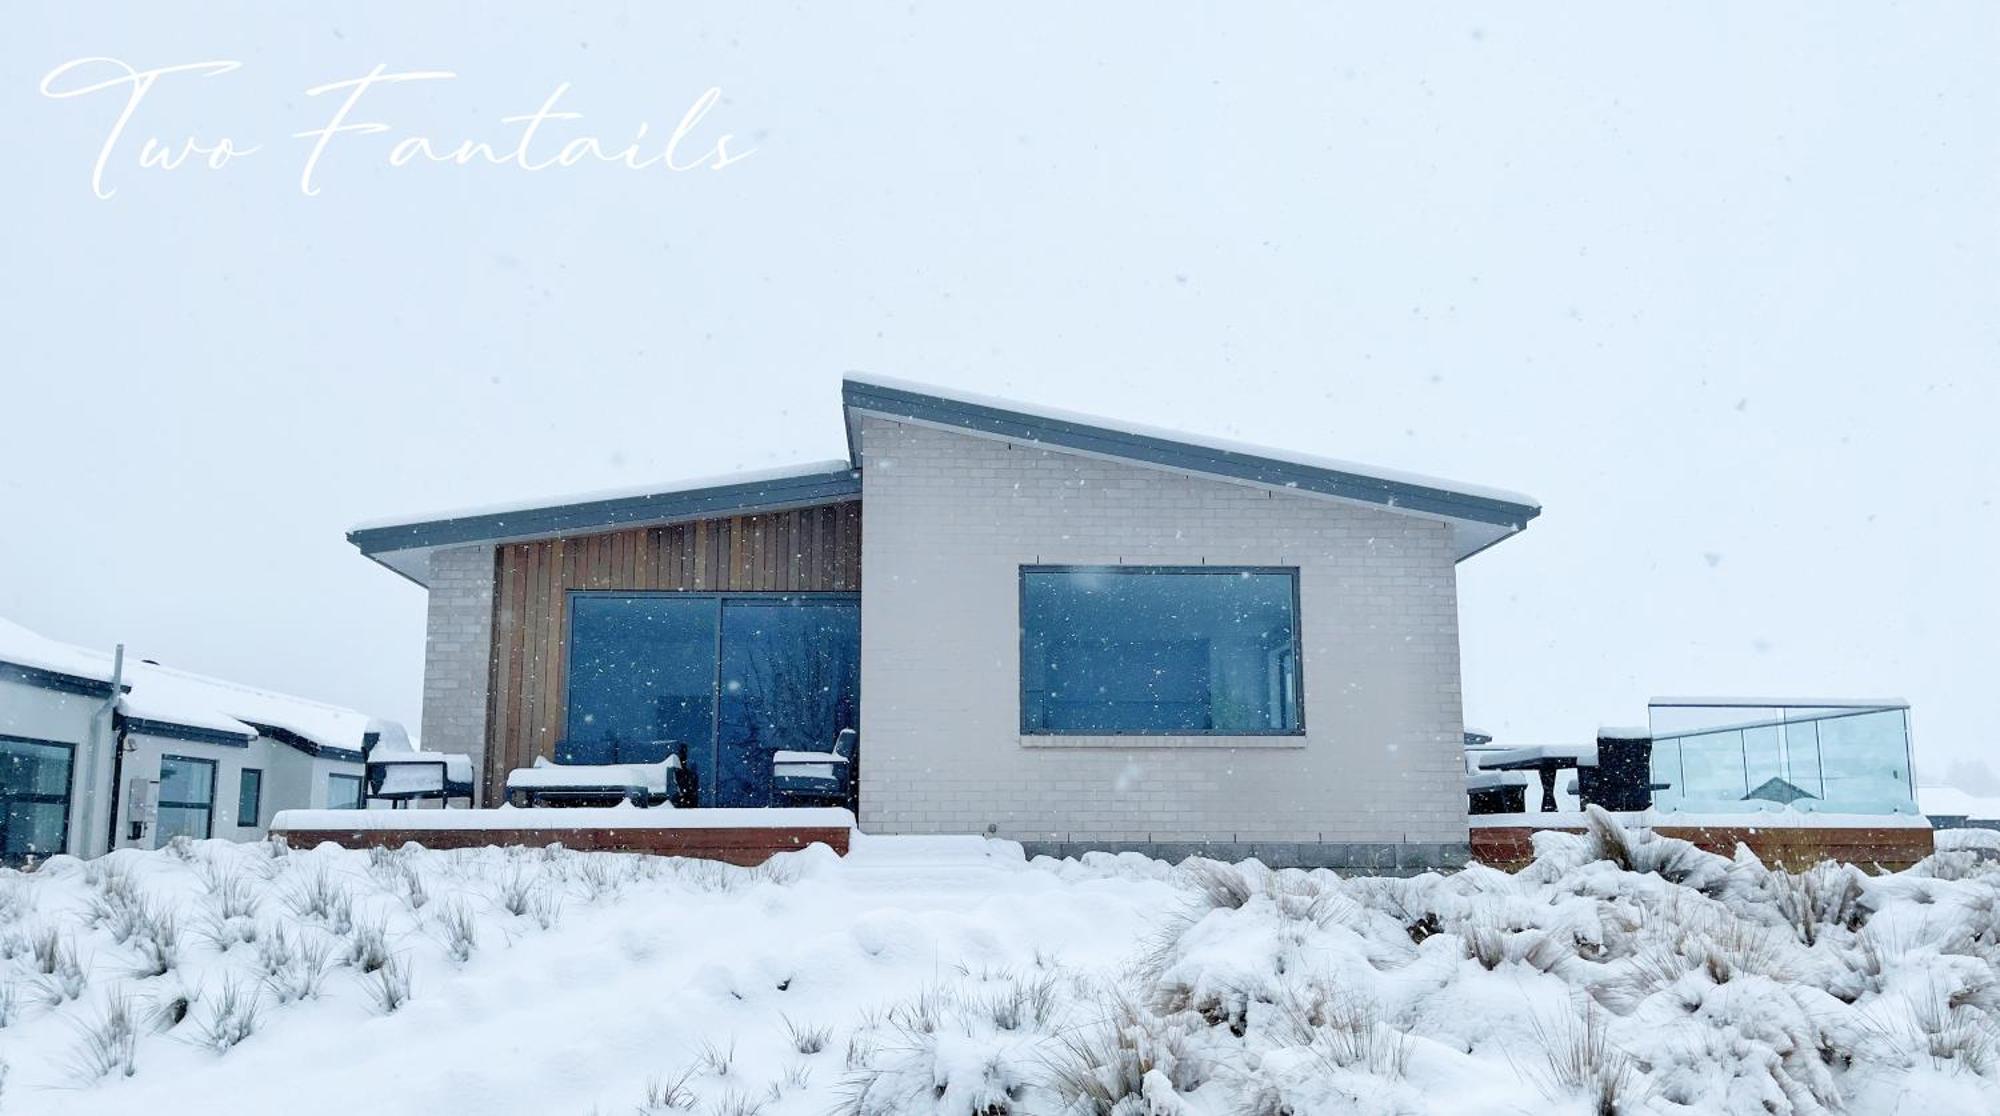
{"points": [[948, 519]]}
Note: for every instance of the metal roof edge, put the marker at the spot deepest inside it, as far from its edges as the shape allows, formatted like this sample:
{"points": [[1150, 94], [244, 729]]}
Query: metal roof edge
{"points": [[993, 421]]}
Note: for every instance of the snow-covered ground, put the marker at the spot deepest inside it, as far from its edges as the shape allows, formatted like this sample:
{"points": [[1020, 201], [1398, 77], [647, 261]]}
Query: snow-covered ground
{"points": [[951, 976]]}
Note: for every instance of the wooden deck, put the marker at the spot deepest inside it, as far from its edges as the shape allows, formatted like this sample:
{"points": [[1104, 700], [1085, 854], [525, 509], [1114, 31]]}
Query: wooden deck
{"points": [[654, 832], [1790, 847]]}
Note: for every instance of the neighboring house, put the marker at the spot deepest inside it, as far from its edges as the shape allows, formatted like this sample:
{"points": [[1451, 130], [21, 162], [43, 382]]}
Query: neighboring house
{"points": [[195, 756], [1069, 632]]}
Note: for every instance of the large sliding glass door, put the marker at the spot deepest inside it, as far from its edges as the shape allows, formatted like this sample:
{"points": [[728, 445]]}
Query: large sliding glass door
{"points": [[731, 678]]}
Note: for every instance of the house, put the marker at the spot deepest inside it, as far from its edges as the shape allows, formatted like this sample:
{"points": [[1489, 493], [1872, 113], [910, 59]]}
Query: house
{"points": [[194, 756], [1071, 632]]}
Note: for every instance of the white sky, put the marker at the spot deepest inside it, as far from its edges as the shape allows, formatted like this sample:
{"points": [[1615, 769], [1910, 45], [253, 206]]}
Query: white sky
{"points": [[1718, 286]]}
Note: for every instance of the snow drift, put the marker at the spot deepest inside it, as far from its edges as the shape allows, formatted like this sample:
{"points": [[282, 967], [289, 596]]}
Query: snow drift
{"points": [[1620, 972]]}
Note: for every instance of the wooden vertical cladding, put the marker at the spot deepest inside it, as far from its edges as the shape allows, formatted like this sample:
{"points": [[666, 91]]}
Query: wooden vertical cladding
{"points": [[808, 550]]}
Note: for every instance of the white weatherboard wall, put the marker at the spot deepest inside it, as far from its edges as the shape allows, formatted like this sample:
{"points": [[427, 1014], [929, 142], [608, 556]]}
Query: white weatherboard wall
{"points": [[949, 519], [57, 716]]}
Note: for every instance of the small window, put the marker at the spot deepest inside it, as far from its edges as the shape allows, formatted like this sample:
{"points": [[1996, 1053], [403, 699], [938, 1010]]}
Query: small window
{"points": [[249, 798], [34, 798], [343, 792], [187, 798], [1159, 650]]}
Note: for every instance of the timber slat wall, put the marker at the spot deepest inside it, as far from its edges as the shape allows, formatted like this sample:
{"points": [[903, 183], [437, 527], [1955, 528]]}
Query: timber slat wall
{"points": [[810, 550]]}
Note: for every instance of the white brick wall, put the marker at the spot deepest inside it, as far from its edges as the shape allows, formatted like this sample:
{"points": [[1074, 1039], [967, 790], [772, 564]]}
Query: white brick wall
{"points": [[457, 648], [948, 520]]}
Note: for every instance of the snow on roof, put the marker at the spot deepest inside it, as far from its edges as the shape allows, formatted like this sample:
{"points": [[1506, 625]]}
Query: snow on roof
{"points": [[665, 488], [1624, 732], [1950, 802], [1224, 445], [178, 697], [22, 647]]}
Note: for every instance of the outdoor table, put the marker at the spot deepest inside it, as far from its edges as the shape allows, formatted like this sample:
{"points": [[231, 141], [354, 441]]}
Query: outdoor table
{"points": [[1545, 761]]}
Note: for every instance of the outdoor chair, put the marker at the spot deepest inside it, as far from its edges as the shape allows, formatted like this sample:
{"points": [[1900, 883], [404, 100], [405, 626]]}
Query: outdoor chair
{"points": [[1621, 779], [818, 777], [397, 773]]}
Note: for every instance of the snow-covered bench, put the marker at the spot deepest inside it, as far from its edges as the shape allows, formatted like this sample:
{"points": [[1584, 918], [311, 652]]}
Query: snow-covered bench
{"points": [[589, 784]]}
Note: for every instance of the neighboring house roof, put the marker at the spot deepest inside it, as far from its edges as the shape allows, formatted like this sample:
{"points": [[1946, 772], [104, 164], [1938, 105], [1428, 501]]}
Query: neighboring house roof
{"points": [[36, 659], [1950, 802], [1479, 516], [178, 704]]}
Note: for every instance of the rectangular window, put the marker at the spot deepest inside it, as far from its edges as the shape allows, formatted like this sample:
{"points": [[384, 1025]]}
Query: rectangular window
{"points": [[34, 798], [1159, 651], [249, 798], [187, 798], [343, 792]]}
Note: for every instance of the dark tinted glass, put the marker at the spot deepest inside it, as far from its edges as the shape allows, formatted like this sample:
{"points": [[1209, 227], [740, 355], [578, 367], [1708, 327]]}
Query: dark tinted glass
{"points": [[34, 799], [641, 671], [249, 797], [1159, 651], [790, 681]]}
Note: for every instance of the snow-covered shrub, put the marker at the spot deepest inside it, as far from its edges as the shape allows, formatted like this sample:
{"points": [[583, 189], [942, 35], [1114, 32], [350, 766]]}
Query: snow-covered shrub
{"points": [[229, 1016], [321, 897], [1134, 1058], [368, 949], [389, 985], [666, 1094], [1823, 896], [461, 929], [517, 893], [807, 1038], [109, 1043], [1580, 1060], [158, 944]]}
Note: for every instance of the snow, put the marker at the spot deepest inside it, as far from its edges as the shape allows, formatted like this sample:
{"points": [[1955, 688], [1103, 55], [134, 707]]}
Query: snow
{"points": [[1952, 802], [22, 647], [504, 818], [1624, 732], [457, 765], [550, 776], [694, 484], [1143, 431], [951, 976], [162, 693]]}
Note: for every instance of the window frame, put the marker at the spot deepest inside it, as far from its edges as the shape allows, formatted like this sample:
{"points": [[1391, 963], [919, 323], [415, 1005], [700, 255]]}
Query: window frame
{"points": [[243, 775], [1298, 651], [69, 789], [360, 790], [214, 773]]}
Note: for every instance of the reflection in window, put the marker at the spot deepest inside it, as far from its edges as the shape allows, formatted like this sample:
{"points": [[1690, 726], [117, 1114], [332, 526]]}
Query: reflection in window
{"points": [[34, 798], [343, 792], [1159, 650], [641, 672], [187, 798]]}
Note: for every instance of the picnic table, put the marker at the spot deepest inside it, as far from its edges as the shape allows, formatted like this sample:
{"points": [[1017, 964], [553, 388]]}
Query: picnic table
{"points": [[548, 784], [1546, 761]]}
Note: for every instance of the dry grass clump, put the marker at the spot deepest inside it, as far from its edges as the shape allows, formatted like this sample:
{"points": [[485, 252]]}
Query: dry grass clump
{"points": [[1579, 1059], [1823, 896], [1132, 1052]]}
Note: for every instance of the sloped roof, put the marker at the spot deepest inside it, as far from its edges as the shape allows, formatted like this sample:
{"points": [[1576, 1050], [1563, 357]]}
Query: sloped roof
{"points": [[160, 698], [1480, 516]]}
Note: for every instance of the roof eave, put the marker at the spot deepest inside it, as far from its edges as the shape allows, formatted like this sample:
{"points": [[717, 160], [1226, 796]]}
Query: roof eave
{"points": [[861, 397]]}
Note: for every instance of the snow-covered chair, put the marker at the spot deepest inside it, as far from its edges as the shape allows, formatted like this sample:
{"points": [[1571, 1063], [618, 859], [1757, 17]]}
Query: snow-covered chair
{"points": [[396, 772], [818, 776]]}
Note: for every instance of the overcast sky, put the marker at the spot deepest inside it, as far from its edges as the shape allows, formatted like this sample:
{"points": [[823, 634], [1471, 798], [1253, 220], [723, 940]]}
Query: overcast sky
{"points": [[1719, 287]]}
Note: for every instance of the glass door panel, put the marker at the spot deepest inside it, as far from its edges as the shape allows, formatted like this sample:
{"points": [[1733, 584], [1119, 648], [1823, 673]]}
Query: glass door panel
{"points": [[641, 673], [790, 681]]}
